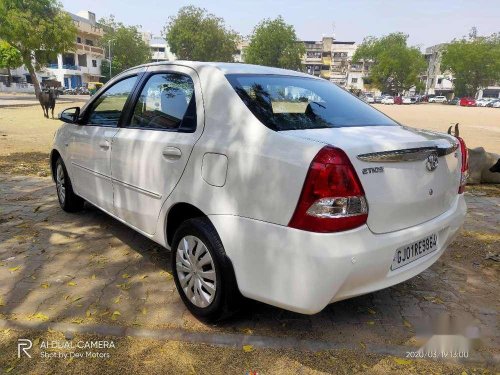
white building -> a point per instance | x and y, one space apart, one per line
83 65
160 51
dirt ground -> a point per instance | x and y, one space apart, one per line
479 126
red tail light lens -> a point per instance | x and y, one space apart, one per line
332 197
465 165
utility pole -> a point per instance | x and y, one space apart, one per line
109 57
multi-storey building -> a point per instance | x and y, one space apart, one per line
332 60
83 65
436 81
160 51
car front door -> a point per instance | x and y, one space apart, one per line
151 149
90 146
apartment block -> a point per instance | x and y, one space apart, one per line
83 65
160 51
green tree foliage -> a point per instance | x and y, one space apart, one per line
474 62
38 29
10 58
128 49
274 43
194 34
396 67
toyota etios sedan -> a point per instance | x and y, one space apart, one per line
266 183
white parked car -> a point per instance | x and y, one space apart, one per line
369 99
387 100
484 102
266 183
409 100
438 99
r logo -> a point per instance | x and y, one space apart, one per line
23 345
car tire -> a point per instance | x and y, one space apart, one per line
203 273
68 200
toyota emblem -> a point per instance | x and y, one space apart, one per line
432 162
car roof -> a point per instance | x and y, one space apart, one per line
228 68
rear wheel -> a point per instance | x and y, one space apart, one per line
68 200
202 272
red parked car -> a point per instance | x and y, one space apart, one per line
468 102
398 100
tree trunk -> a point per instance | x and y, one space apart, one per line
9 77
34 79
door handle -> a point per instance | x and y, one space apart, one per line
172 153
104 144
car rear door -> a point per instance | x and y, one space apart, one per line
90 145
151 149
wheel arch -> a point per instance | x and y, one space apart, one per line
176 215
54 155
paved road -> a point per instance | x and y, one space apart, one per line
89 269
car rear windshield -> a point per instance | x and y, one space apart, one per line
292 103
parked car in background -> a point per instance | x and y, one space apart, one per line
378 99
494 103
196 156
387 100
369 99
398 100
483 102
467 102
454 101
409 100
438 99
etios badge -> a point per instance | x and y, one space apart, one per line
432 162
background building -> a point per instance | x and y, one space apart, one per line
75 69
436 82
160 51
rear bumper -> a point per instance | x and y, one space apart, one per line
303 271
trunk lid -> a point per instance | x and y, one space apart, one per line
390 161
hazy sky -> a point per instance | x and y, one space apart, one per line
428 22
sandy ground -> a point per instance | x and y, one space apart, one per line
479 126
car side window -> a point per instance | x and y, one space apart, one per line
107 109
166 102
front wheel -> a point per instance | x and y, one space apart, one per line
202 272
68 200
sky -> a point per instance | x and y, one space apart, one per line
427 22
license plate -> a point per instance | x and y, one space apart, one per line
413 251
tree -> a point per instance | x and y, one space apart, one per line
10 58
194 34
128 49
473 61
39 29
396 67
274 43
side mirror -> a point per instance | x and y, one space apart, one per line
70 115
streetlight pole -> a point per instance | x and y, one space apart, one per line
109 55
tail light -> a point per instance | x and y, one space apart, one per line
465 165
332 197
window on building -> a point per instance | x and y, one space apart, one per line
161 49
78 39
166 102
89 42
94 63
82 60
354 80
439 81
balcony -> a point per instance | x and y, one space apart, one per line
65 66
86 48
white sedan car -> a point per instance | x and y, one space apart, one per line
438 99
264 183
387 100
